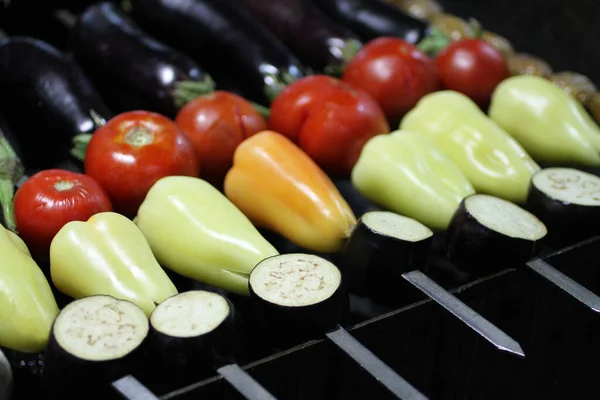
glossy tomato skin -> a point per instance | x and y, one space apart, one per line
329 119
217 123
134 150
395 73
472 67
50 199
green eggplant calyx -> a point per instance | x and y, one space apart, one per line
80 144
11 171
61 186
186 91
139 136
476 31
276 82
435 42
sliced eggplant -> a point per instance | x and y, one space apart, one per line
6 377
371 19
382 247
297 297
231 45
132 70
319 42
488 234
568 202
94 341
46 100
195 331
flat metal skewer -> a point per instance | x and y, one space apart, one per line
244 383
131 389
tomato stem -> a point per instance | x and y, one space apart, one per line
80 144
275 83
139 136
348 50
435 42
186 91
11 171
262 110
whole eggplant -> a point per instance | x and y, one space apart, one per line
131 69
319 42
46 100
371 19
231 45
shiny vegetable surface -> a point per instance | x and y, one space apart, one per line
490 158
527 64
472 67
329 119
548 122
421 9
135 149
499 42
108 255
197 232
217 123
27 305
407 173
279 187
577 85
394 72
50 199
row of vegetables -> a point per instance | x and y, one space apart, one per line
184 174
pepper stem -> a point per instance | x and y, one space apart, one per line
11 171
186 91
80 144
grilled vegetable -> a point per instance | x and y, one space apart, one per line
329 120
41 89
406 173
421 9
577 85
6 377
491 160
381 248
217 123
132 70
297 297
526 64
134 150
27 305
500 43
278 187
195 231
549 123
108 255
94 341
488 234
319 42
194 331
568 202
50 199
593 106
222 38
453 27
395 73
371 19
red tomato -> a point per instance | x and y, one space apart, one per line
50 199
330 120
217 123
394 72
134 150
472 67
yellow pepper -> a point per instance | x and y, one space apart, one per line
549 123
197 232
406 173
27 305
490 158
108 255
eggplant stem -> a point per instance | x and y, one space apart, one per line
80 144
435 42
11 171
186 91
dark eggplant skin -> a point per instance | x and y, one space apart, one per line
567 223
46 100
479 251
319 42
190 359
69 377
373 263
371 19
232 46
131 69
285 326
358 203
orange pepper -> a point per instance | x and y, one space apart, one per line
280 188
